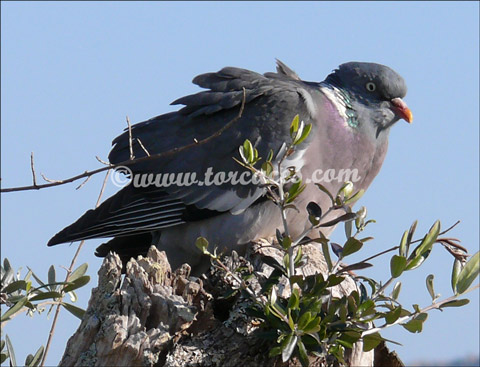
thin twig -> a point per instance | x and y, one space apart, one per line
130 142
380 253
101 160
69 271
32 166
132 162
144 149
48 180
83 183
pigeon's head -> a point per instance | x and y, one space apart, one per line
373 92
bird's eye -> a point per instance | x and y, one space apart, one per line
370 86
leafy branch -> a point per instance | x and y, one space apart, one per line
310 320
20 295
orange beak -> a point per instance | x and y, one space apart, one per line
401 109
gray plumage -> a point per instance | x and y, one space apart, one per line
351 113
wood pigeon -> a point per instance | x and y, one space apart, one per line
351 113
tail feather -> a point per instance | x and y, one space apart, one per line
128 212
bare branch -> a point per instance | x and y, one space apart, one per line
32 166
134 161
130 142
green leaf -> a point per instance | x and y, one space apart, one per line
301 136
415 325
28 359
295 190
356 266
304 320
286 242
77 283
51 277
325 190
428 240
291 323
275 351
468 274
270 155
348 226
397 265
14 309
267 167
342 218
302 353
294 126
294 300
286 262
366 307
393 315
411 232
313 326
74 310
363 292
396 290
298 257
7 272
288 346
429 283
417 261
202 245
273 297
37 358
334 280
360 219
402 251
326 255
351 246
346 189
79 272
455 303
355 197
3 357
45 295
371 341
457 267
11 352
15 286
248 151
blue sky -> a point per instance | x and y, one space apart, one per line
72 71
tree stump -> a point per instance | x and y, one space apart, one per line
153 316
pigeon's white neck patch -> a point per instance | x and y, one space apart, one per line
307 98
337 98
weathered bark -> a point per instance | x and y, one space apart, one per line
155 317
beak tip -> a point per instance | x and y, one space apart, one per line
408 116
402 110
